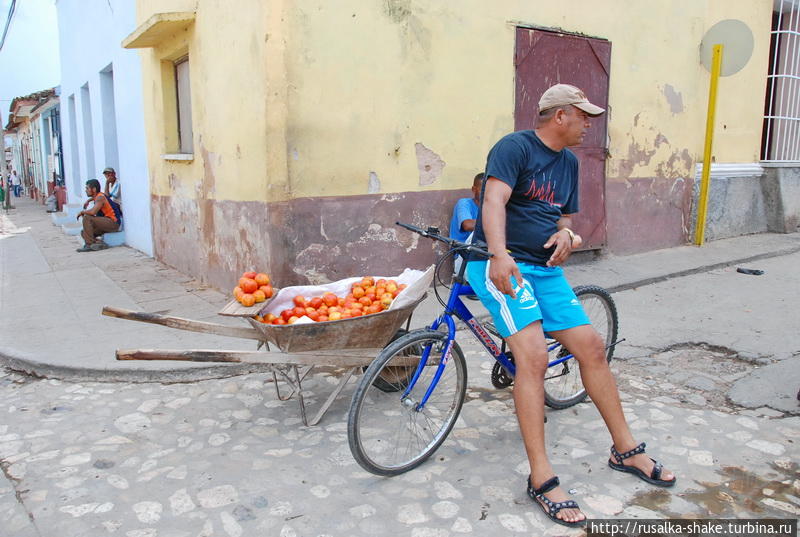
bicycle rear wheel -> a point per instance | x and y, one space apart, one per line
388 435
563 386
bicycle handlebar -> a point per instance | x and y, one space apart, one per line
478 248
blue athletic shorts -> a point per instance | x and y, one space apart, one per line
545 295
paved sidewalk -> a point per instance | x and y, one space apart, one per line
51 297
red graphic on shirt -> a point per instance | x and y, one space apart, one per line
543 191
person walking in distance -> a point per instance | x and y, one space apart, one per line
15 183
528 197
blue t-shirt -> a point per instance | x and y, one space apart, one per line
544 186
465 209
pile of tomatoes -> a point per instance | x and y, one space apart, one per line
366 297
254 287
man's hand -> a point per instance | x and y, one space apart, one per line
564 245
501 268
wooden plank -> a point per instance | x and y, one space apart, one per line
235 309
344 358
183 324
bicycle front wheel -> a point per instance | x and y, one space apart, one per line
563 386
388 433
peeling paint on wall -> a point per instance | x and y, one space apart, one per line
637 156
679 165
397 10
374 185
674 98
430 165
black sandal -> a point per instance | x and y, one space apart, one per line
552 509
655 476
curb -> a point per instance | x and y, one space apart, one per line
703 268
28 365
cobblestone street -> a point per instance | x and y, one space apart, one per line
227 458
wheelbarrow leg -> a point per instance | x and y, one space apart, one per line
296 384
288 381
328 402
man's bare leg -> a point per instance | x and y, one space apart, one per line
588 347
530 356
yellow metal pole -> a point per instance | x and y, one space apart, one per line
702 206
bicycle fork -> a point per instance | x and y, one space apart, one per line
406 399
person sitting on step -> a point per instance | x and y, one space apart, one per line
101 218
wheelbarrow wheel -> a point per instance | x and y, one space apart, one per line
392 379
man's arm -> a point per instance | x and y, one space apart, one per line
99 203
462 215
468 224
501 265
563 241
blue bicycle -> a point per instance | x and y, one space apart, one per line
410 396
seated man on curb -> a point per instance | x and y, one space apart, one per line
465 213
101 218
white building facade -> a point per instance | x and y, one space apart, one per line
101 108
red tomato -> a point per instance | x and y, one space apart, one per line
248 285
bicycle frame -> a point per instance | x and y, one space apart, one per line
455 307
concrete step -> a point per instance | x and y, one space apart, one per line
67 215
116 238
72 228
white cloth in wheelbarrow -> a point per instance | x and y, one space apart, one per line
418 283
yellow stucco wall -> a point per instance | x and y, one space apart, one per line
369 80
233 104
306 98
294 100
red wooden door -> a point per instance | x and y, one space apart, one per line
546 58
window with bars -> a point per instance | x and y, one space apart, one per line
781 136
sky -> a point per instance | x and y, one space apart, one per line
29 59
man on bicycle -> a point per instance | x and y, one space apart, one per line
528 197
